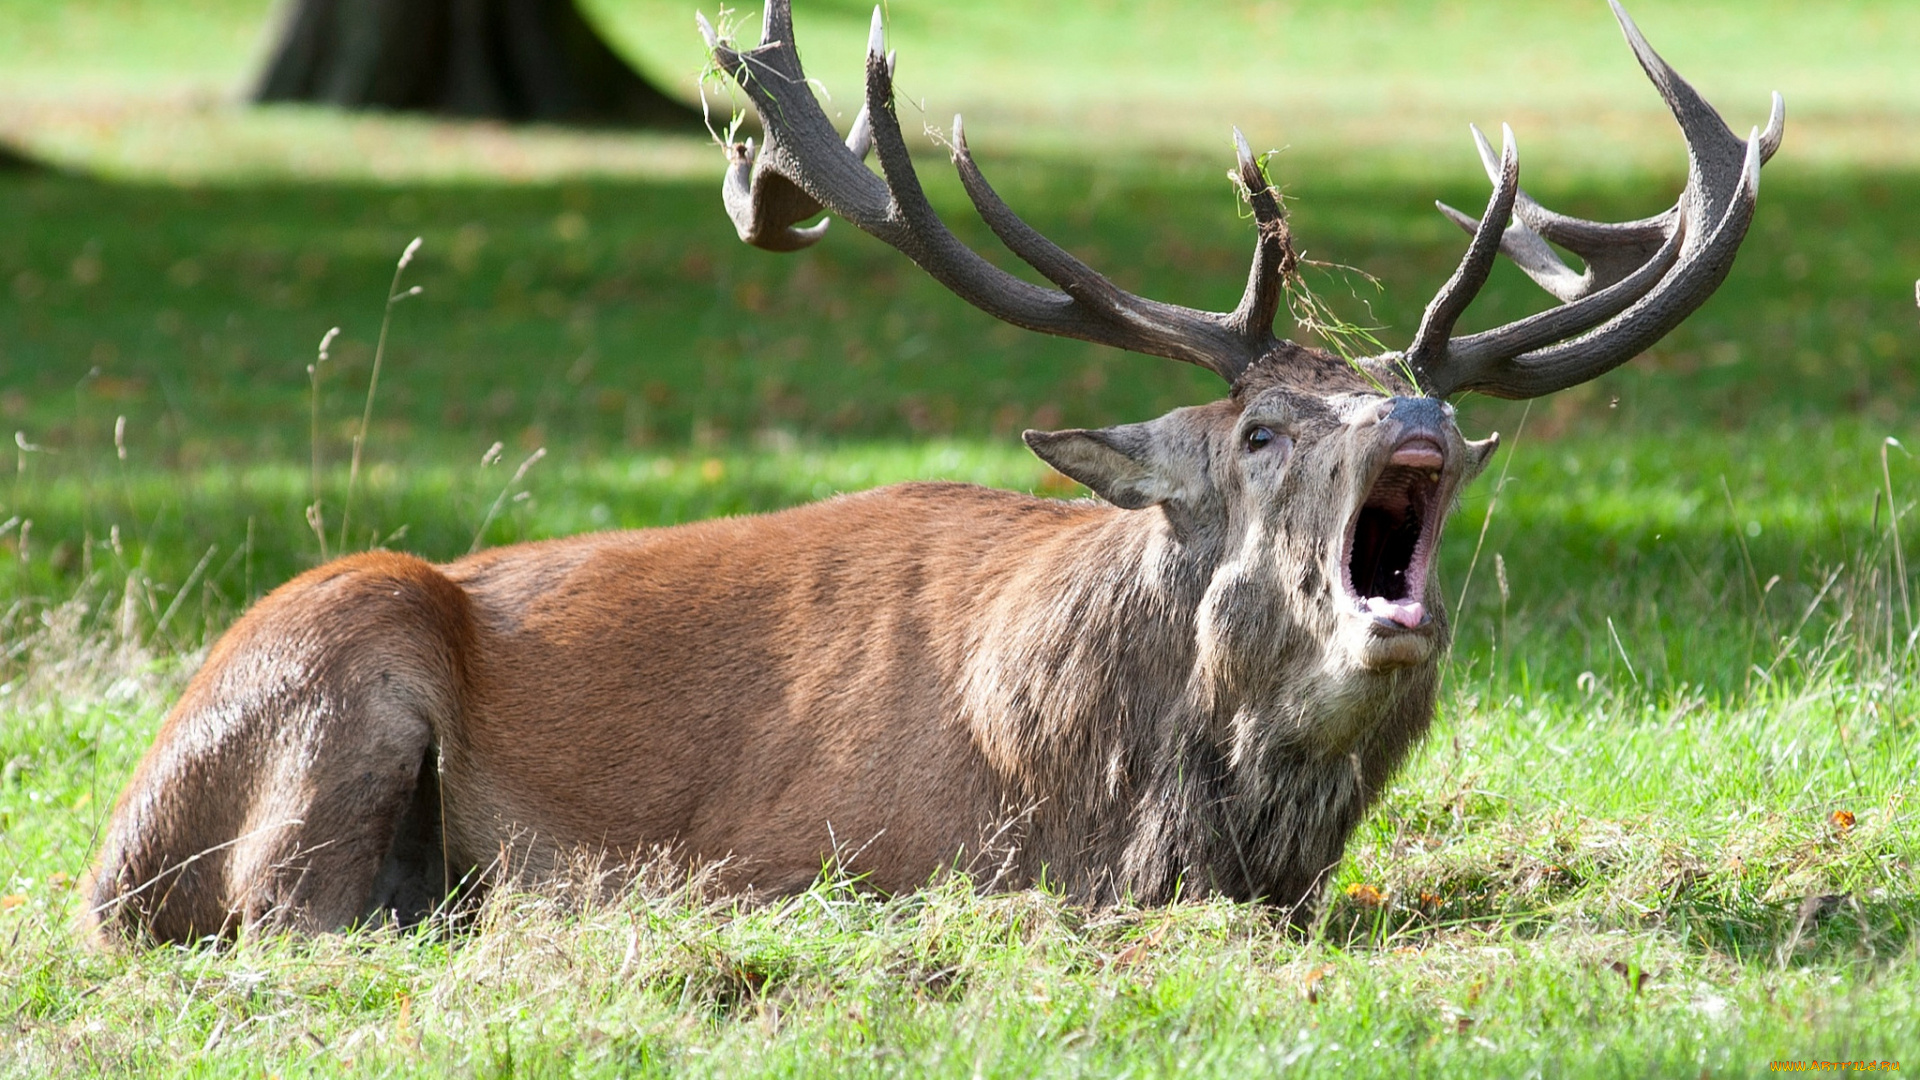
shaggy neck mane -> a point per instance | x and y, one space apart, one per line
1118 744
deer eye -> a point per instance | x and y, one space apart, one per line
1259 438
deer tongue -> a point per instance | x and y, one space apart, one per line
1408 613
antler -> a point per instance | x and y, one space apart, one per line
1641 279
803 168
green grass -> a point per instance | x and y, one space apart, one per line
1600 882
1684 651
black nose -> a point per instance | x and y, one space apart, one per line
1419 413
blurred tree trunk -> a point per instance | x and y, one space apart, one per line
508 59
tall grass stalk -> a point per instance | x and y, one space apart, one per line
316 514
1893 520
394 296
1493 504
500 501
186 587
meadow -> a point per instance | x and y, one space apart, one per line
1665 822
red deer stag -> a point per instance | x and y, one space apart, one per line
1198 684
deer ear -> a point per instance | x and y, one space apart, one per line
1130 466
1479 453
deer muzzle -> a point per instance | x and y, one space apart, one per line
1394 531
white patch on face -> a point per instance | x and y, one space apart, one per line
1366 646
1347 705
1359 410
1213 653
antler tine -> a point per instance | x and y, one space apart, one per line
765 206
803 167
776 23
764 202
1475 351
1273 254
1531 253
1075 278
1683 288
1225 343
1642 278
1436 326
1611 250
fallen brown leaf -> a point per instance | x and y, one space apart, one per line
1311 988
1366 895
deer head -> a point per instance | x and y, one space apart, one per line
1320 482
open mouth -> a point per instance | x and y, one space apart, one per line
1393 533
